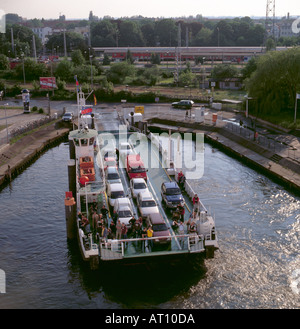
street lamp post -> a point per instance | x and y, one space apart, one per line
91 56
203 77
6 122
22 55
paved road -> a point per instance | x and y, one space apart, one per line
16 118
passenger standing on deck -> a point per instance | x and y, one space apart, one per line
150 235
144 236
104 233
112 227
193 228
181 232
119 230
124 233
181 210
179 177
115 217
104 213
196 202
132 225
86 225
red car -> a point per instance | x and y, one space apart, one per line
160 229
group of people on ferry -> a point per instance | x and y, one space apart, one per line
97 224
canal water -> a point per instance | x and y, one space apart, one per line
257 265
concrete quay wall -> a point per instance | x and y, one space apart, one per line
16 157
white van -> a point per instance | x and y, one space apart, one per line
114 192
146 204
124 211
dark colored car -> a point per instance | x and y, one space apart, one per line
171 194
160 229
184 104
67 117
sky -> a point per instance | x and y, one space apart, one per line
80 9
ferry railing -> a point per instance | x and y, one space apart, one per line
139 247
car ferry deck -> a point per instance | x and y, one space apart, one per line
91 194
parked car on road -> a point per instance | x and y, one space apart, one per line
68 117
184 104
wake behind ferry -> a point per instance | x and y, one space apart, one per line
123 211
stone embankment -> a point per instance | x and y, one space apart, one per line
14 158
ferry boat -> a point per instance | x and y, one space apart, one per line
87 198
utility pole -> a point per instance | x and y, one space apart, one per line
34 47
270 18
65 43
12 41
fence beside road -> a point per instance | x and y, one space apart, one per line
26 127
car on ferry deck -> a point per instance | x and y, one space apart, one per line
171 195
125 149
137 185
160 229
114 191
146 204
135 167
124 210
112 175
110 162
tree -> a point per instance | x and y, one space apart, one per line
119 71
22 38
224 71
148 30
83 72
166 32
187 78
73 41
33 70
104 34
65 70
129 57
4 63
106 60
155 59
130 34
275 82
202 38
250 67
77 58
